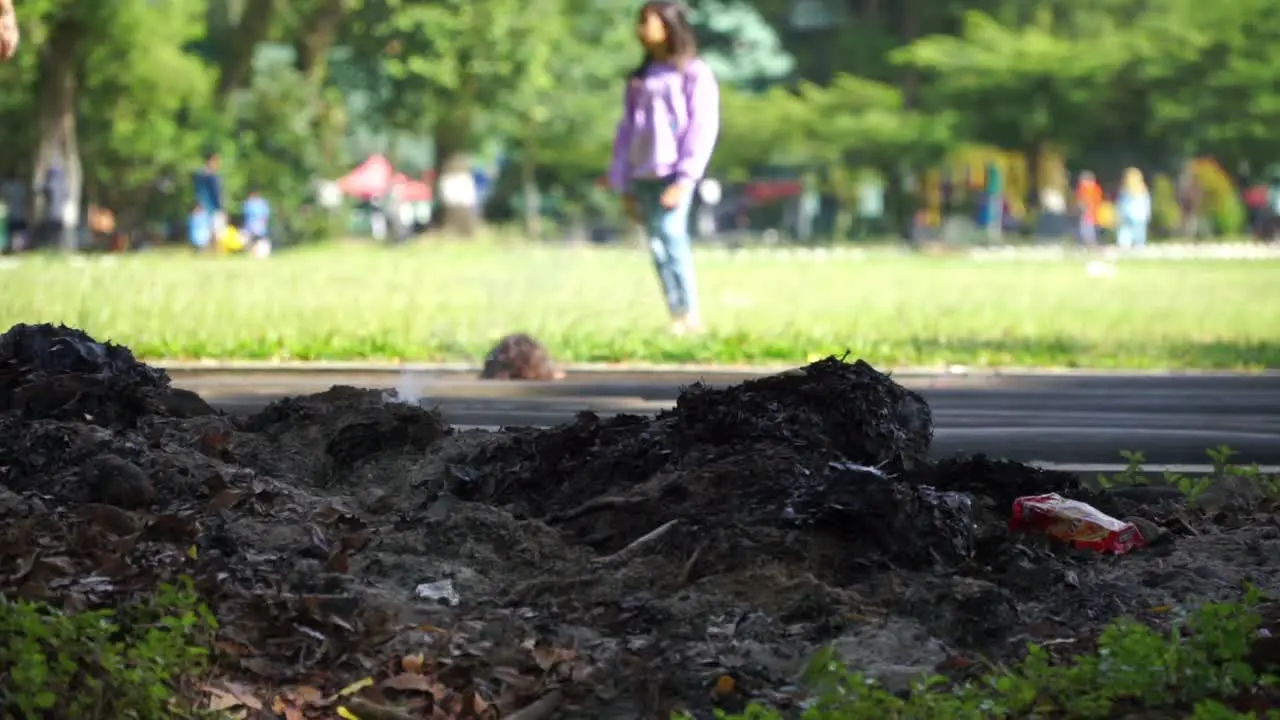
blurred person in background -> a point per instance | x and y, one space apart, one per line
996 206
1270 212
13 193
232 240
257 220
53 227
1133 207
1089 202
8 30
200 228
669 127
208 190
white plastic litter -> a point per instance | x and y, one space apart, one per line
440 591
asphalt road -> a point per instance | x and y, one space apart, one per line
1077 420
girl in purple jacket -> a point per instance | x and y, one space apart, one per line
670 120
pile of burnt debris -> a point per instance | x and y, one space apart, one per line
614 567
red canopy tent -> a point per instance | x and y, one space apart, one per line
411 190
372 177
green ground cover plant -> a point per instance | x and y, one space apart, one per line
1199 670
137 661
451 301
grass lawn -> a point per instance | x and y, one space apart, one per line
450 302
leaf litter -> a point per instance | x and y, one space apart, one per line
365 560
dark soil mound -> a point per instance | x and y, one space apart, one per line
831 405
321 437
793 456
733 534
519 357
59 373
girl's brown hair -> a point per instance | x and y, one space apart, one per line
682 42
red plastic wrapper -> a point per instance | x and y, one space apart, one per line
1072 521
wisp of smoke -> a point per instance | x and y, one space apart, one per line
408 389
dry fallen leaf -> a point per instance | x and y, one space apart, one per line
245 695
232 695
224 500
221 699
114 520
412 663
214 444
725 685
339 563
354 542
549 657
176 529
514 679
308 695
473 706
412 682
63 565
234 649
288 707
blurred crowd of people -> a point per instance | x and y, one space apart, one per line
210 228
1128 214
46 216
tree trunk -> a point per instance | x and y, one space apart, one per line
318 36
57 146
458 213
236 69
910 31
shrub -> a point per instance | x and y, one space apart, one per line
130 662
1222 203
1166 214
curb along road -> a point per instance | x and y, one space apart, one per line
654 371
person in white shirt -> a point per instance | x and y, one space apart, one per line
8 30
13 193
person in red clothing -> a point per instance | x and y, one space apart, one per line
8 30
1089 200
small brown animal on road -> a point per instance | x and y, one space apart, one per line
519 357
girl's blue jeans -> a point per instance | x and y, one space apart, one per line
670 244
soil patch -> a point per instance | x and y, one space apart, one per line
611 568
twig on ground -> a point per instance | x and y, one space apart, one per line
649 491
637 546
688 566
596 505
541 709
366 710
